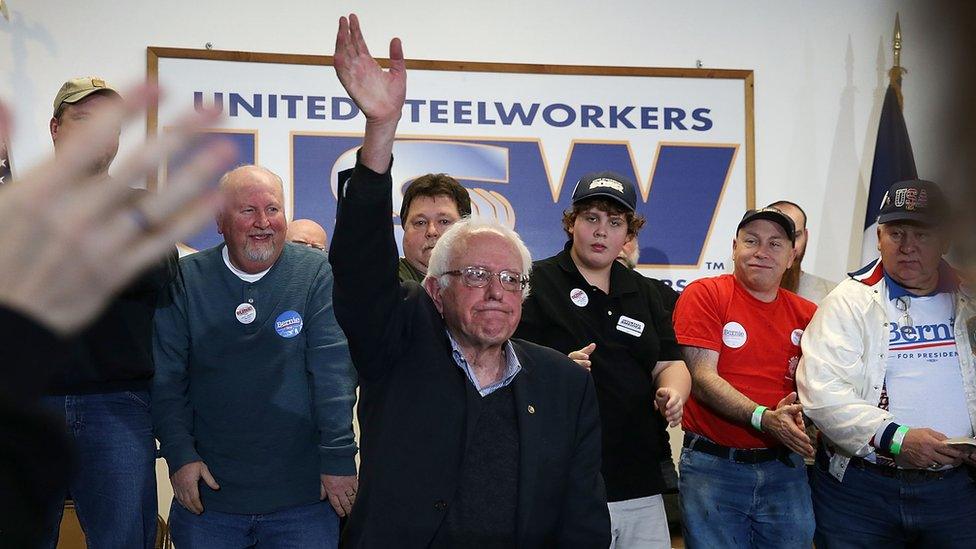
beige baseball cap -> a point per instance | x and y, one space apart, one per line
76 89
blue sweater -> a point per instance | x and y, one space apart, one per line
267 409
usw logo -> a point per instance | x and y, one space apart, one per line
510 179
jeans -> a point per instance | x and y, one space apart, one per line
868 509
639 524
113 481
304 526
729 504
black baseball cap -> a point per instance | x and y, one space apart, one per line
770 214
607 184
914 200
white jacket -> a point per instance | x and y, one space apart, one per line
842 370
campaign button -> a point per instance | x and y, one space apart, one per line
288 324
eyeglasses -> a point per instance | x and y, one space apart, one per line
479 277
903 304
310 245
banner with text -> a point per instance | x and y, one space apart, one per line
517 136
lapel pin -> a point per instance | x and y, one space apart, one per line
531 409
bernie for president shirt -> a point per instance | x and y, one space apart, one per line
922 365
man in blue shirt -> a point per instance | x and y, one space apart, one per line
254 386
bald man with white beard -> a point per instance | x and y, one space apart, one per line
254 386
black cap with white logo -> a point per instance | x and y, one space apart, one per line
607 184
770 214
914 200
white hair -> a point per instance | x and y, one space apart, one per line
455 239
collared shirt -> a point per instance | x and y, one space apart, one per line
631 327
512 367
406 271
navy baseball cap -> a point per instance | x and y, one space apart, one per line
607 184
770 214
914 200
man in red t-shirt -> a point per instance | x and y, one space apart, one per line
742 479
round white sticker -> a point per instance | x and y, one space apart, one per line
246 313
734 335
796 335
579 297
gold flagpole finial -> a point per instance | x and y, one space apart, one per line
897 41
896 70
3 10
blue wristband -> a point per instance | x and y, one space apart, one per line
885 442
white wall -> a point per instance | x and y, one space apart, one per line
820 68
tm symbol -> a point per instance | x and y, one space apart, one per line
715 265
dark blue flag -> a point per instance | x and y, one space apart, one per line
893 162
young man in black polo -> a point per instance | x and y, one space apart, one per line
612 322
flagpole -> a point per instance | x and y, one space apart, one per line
893 157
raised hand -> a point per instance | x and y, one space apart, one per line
72 240
379 94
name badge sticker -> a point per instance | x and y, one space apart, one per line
288 324
630 326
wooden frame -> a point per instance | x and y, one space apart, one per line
154 53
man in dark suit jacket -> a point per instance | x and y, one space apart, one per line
469 438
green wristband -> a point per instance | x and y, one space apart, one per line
897 439
757 417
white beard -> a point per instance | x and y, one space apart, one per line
259 253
